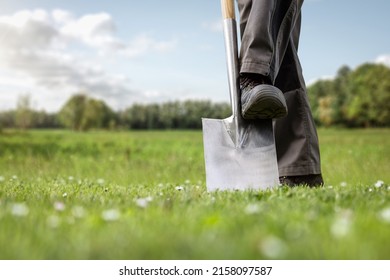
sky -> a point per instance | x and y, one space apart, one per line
129 51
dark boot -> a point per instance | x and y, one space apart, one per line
312 180
259 99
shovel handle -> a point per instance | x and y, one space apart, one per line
228 9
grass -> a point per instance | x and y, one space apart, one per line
142 195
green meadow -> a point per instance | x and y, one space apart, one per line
142 195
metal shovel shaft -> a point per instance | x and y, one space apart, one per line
229 27
233 123
231 48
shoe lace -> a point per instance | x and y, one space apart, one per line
248 82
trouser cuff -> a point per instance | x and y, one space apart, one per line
256 68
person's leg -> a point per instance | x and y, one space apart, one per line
275 55
259 98
256 41
295 135
266 26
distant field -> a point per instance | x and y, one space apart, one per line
142 195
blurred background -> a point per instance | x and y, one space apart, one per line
159 61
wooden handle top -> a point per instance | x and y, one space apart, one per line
228 9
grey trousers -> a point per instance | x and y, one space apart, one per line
270 31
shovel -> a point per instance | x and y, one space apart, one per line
239 154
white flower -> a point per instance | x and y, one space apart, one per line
179 188
252 209
70 178
59 206
273 247
143 202
342 224
111 215
19 209
2 179
379 183
100 181
78 212
343 184
14 177
384 215
64 194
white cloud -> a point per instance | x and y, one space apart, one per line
21 18
26 30
98 31
58 52
213 26
144 44
383 59
95 30
61 16
322 78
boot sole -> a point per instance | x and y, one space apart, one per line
266 102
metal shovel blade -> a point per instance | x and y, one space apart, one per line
239 154
251 165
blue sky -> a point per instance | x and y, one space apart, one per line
126 51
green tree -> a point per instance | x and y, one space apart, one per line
173 115
81 113
318 92
72 113
41 119
340 95
359 98
369 102
24 113
96 115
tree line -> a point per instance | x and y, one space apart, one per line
82 113
354 98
